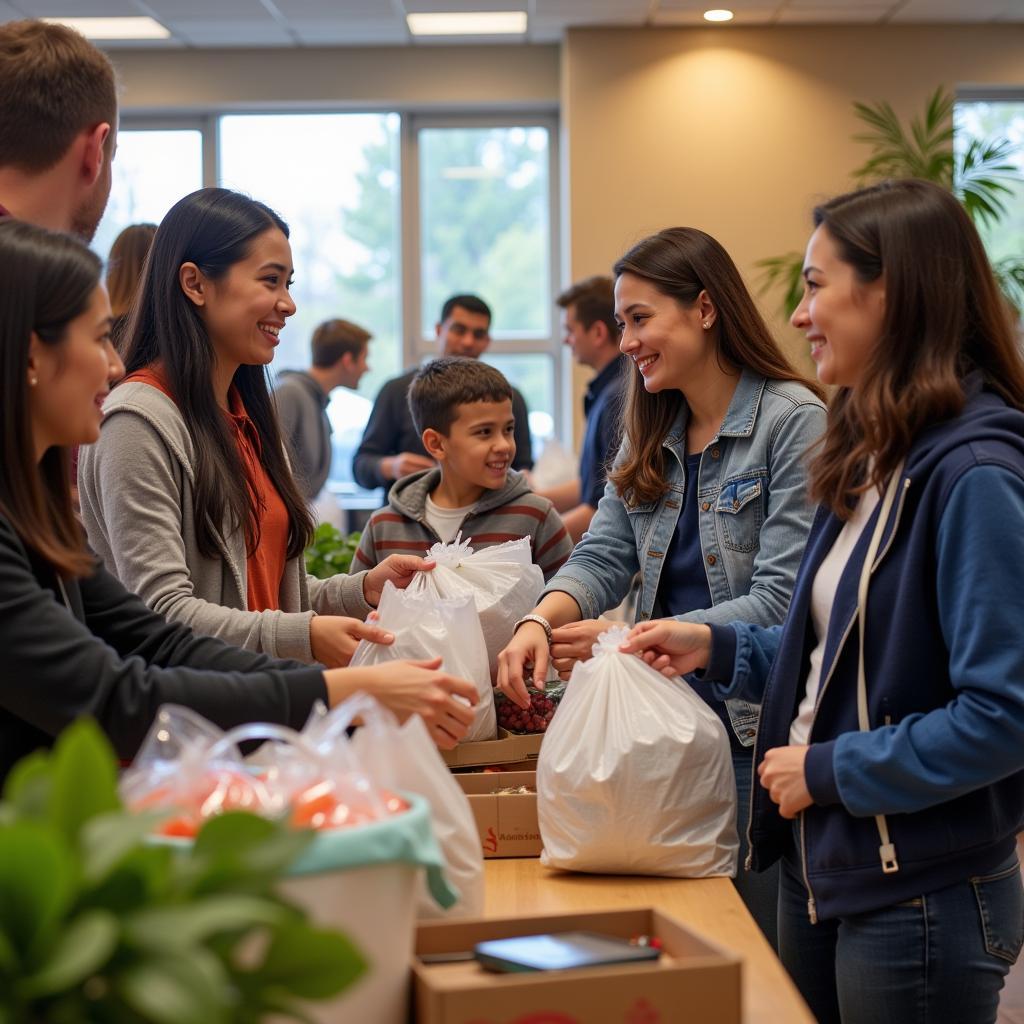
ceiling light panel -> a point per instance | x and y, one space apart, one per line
469 23
111 29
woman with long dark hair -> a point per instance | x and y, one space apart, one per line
188 497
75 642
891 745
707 498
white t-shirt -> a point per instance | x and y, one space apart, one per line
823 595
445 522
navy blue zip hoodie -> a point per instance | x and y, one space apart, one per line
945 676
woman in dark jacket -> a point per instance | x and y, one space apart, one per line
74 641
891 743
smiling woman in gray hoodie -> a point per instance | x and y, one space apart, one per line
188 496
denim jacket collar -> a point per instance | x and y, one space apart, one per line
739 417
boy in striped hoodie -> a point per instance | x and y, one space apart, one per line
463 409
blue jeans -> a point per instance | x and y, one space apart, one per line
759 891
938 959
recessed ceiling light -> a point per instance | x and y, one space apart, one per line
473 23
718 14
114 28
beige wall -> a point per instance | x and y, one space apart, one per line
740 131
413 76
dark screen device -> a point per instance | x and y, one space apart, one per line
559 952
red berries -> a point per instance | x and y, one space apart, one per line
535 718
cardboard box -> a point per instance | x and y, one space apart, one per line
506 748
507 822
692 981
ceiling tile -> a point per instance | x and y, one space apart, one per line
216 11
959 11
77 9
832 15
231 33
350 31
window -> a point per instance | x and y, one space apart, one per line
335 179
476 214
485 200
152 171
998 118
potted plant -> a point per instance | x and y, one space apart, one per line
980 175
330 552
99 924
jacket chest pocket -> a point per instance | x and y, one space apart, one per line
740 513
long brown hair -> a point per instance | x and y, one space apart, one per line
944 317
124 265
48 281
681 263
215 229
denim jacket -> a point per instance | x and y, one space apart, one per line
755 518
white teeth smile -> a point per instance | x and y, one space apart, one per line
269 329
642 364
497 466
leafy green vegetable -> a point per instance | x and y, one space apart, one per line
98 924
331 552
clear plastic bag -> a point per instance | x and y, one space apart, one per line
502 580
426 625
190 770
635 775
534 719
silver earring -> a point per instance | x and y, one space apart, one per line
707 325
33 381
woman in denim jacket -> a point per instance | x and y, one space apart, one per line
707 498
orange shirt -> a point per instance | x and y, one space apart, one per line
264 568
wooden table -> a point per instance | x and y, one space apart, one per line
709 905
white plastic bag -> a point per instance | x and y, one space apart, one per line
402 757
503 581
426 625
635 775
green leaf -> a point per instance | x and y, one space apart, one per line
84 782
191 923
784 271
108 838
311 963
183 989
36 879
28 785
85 945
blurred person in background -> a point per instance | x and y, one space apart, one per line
339 349
392 447
588 322
124 271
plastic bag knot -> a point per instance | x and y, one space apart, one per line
451 555
610 641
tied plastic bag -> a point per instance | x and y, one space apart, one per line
403 757
635 775
502 580
426 625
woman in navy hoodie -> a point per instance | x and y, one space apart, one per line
891 743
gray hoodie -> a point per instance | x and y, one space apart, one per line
136 490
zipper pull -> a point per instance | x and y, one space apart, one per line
812 910
748 861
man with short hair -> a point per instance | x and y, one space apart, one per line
391 447
588 320
58 127
339 360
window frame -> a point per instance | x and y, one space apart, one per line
415 346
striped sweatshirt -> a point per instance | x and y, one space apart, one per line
508 513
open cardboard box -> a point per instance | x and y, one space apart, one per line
505 749
692 981
507 822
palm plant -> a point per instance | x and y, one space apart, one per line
981 175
